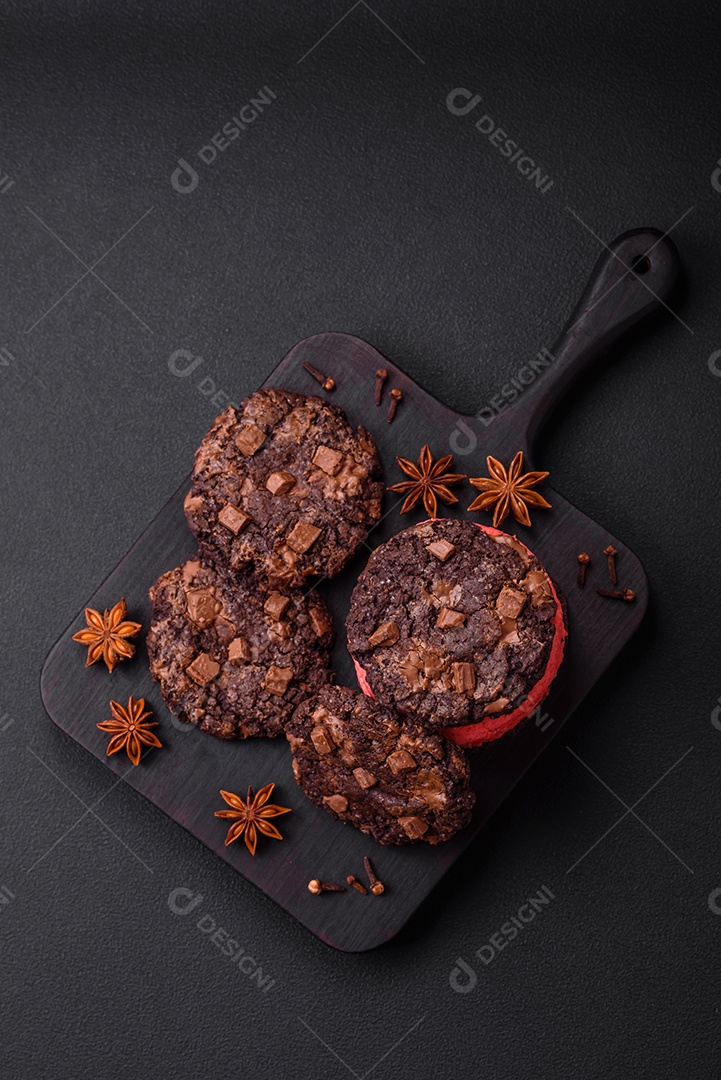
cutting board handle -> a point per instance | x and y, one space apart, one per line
632 279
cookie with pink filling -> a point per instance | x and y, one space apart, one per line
459 625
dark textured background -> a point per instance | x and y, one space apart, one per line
357 202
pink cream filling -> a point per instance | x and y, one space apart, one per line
495 726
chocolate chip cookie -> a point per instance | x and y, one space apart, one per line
286 483
386 774
458 624
232 655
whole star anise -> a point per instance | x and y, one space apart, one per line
130 729
106 635
429 481
509 491
251 816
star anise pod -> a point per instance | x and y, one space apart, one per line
106 635
509 491
251 816
429 481
130 729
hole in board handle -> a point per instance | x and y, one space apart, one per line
641 264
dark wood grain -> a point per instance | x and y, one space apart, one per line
184 778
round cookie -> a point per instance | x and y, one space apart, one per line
458 624
384 773
232 655
286 483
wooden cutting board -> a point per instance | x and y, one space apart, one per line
184 778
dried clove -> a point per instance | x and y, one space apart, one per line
377 886
381 376
618 594
396 396
316 886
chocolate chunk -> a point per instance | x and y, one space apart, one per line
446 593
345 752
302 536
374 782
364 778
338 803
496 706
509 632
537 584
203 669
415 827
192 504
190 571
510 602
400 760
239 651
464 677
249 439
225 629
432 666
321 621
321 739
233 518
328 459
386 634
429 787
449 619
280 483
202 607
411 673
441 549
277 679
276 605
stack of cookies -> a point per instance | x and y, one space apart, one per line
284 489
456 630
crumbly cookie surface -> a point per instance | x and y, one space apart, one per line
452 624
284 482
232 655
384 773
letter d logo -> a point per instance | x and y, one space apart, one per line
459 984
184 179
183 901
716 177
469 101
457 444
